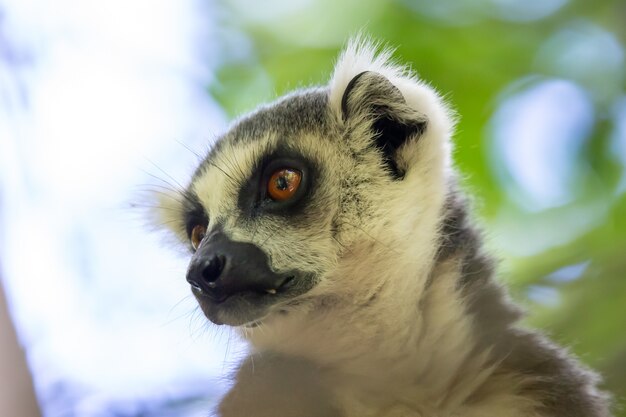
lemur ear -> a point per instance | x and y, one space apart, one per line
370 97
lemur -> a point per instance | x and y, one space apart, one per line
329 230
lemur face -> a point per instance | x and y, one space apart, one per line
292 190
259 212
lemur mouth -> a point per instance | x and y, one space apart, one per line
280 289
284 286
247 309
234 281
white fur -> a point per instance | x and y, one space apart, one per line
411 351
411 345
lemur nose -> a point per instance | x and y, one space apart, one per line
222 268
212 269
205 274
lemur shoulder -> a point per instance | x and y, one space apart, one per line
327 228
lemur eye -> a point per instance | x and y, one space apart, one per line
197 234
283 184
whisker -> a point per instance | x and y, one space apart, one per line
339 243
184 145
180 186
269 237
155 206
176 197
221 170
181 192
234 165
167 223
384 245
183 315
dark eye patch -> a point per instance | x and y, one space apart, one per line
253 197
194 213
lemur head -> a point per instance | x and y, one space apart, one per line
317 195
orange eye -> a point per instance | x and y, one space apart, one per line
197 234
283 184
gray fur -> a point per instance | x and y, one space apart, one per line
564 387
401 315
270 386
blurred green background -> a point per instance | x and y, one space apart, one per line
541 140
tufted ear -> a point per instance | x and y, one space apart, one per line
371 98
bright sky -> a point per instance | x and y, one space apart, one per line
91 94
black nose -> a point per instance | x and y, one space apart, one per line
206 273
222 267
212 269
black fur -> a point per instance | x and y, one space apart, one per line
305 111
372 93
253 200
346 94
193 212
